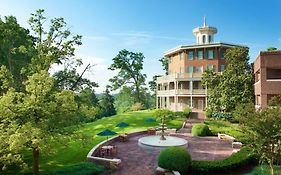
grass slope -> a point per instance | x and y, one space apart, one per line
77 150
225 127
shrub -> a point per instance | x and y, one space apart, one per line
201 130
208 113
137 107
179 114
82 168
174 158
241 158
187 112
220 116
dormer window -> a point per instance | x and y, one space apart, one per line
210 38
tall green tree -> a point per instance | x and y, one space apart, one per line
165 64
53 45
70 79
234 85
38 116
124 100
6 79
152 84
262 130
129 65
271 49
87 96
16 48
106 103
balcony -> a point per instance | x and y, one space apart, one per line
199 91
166 92
181 92
173 77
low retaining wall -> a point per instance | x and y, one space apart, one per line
109 163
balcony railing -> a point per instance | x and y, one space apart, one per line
182 92
199 91
173 77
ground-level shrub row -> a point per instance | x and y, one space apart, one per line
241 158
83 168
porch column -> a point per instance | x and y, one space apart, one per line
177 99
206 103
156 102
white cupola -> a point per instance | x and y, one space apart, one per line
205 34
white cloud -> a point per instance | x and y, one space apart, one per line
151 36
98 73
97 38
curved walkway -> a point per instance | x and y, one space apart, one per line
140 161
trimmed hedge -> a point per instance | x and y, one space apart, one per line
220 116
241 158
174 159
185 113
83 168
201 130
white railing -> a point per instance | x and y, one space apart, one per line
173 77
199 91
166 92
181 92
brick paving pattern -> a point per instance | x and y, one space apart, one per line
141 161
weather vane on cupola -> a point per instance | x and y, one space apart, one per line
205 34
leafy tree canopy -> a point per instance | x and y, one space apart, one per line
129 65
263 131
271 49
37 116
233 86
54 45
106 103
165 64
16 48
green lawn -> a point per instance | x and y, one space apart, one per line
226 127
77 150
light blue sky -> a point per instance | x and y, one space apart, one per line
154 26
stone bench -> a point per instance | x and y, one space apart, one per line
226 137
237 145
112 164
162 171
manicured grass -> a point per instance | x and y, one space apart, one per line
264 170
77 150
226 127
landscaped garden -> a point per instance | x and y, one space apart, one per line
51 119
76 151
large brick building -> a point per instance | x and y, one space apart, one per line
267 70
182 86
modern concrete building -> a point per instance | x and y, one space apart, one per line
267 70
182 86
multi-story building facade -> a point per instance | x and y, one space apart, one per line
182 87
267 70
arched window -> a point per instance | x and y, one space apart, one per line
204 39
210 38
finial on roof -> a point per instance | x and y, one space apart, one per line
205 21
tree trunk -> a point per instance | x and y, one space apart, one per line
138 93
271 167
35 156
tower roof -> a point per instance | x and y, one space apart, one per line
205 31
